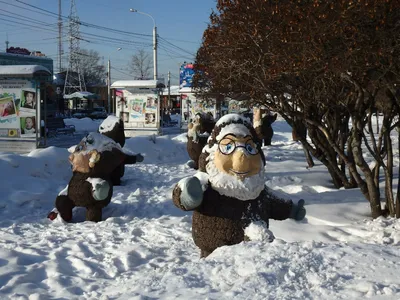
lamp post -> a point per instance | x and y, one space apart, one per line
154 40
109 83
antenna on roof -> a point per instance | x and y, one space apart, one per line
7 42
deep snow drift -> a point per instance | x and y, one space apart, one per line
143 249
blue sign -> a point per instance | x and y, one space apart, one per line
186 73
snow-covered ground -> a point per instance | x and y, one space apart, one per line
144 250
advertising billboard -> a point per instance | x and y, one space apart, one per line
186 74
18 113
138 110
191 106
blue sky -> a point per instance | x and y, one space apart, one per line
180 25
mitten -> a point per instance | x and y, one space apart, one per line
298 211
100 190
191 192
139 157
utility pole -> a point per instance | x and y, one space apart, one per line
74 81
155 50
154 39
109 85
59 36
169 88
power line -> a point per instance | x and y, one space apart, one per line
188 52
24 8
121 72
106 38
85 23
90 25
30 25
15 15
39 8
169 52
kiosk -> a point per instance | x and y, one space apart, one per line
138 105
20 115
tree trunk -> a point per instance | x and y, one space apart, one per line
370 190
309 158
398 180
373 197
352 180
389 174
299 132
327 156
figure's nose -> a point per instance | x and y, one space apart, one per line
240 160
71 158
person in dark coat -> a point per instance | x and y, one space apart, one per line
262 124
229 193
113 127
198 132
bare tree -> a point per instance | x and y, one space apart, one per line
94 72
140 64
327 65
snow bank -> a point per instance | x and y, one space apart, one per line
165 149
33 180
84 124
144 248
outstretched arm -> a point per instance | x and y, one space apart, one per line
281 209
188 193
133 159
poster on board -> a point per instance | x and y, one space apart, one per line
138 110
18 100
18 114
191 106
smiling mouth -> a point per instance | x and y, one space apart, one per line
239 173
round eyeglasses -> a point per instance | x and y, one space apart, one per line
227 146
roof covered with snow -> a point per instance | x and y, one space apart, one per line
174 90
24 71
186 90
120 84
82 95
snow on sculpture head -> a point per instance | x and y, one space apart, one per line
97 155
113 127
233 158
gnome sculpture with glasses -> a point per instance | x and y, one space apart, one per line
228 194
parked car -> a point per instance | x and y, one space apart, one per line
80 113
98 113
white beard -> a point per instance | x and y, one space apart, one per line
231 186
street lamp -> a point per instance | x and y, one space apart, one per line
109 83
154 39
